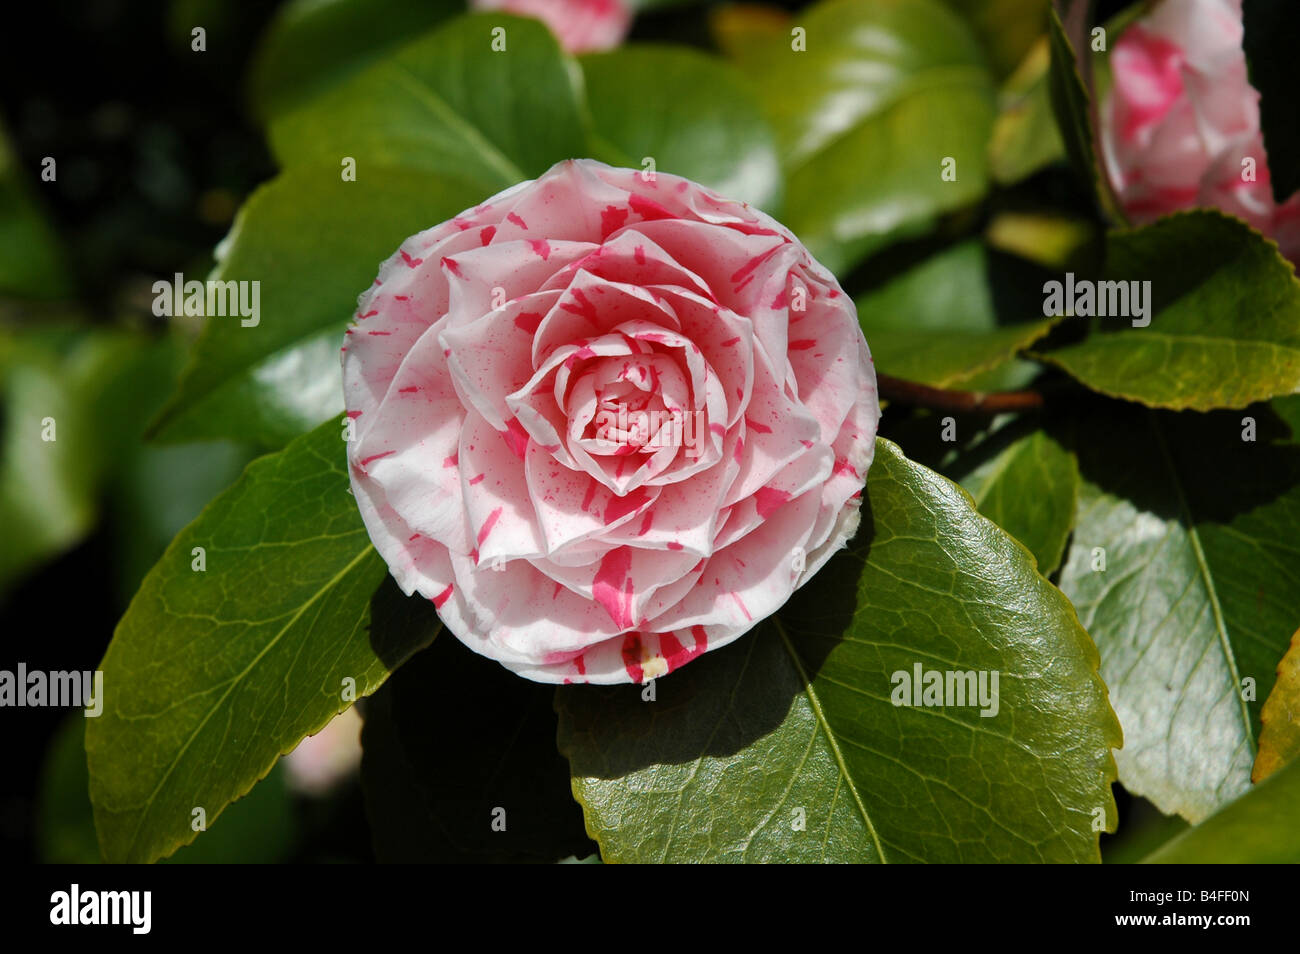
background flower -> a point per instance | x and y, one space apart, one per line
581 26
1182 116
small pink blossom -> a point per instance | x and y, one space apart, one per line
1182 116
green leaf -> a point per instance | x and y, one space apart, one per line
1279 737
953 316
1272 35
1200 589
65 421
447 104
156 492
1008 28
741 31
1069 83
434 128
46 487
65 827
1288 410
1029 489
314 242
1025 134
691 113
433 795
1224 310
312 45
1060 241
32 262
152 492
258 829
213 674
866 116
794 721
1261 827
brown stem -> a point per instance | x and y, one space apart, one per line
958 402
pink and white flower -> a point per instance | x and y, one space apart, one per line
581 26
483 355
1182 116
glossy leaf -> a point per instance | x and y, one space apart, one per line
1224 310
866 116
786 745
214 673
1029 489
1199 592
692 114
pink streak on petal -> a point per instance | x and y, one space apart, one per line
632 656
528 321
516 438
611 586
768 499
440 600
611 220
488 524
648 209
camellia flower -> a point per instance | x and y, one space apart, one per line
581 26
322 761
606 421
1182 116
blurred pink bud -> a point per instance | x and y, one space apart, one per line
581 26
1180 128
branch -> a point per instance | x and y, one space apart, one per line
958 402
